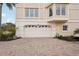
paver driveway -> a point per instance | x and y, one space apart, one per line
39 47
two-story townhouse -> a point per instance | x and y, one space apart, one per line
46 19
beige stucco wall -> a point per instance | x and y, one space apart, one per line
73 21
74 11
72 26
72 17
43 11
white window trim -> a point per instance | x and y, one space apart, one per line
29 12
33 13
65 30
60 6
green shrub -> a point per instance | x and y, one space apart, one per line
7 32
70 38
6 36
57 35
60 37
76 31
0 32
66 38
76 34
76 38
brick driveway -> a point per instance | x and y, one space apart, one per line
39 47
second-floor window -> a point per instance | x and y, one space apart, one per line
31 12
60 9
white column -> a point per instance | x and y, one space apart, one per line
54 10
67 10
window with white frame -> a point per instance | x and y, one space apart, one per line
31 12
60 9
65 27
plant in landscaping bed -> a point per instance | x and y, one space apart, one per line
66 38
69 38
76 31
59 36
1 31
7 35
7 32
76 34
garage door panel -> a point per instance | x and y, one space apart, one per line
38 31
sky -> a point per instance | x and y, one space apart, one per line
8 15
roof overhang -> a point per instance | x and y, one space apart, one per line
49 5
55 3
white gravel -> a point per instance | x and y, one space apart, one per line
39 47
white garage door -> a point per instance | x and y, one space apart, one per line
38 31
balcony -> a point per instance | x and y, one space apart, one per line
60 13
58 19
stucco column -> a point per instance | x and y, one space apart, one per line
54 10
